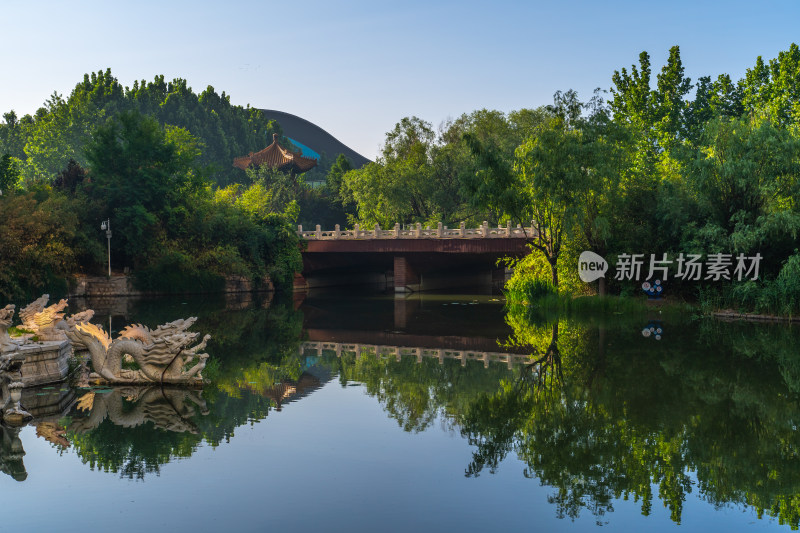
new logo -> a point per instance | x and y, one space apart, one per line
591 267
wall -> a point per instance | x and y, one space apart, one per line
122 285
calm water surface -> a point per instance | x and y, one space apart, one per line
350 412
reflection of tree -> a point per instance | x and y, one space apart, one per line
504 411
262 377
601 414
415 393
623 419
240 338
545 370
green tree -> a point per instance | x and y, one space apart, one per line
334 182
493 184
551 169
37 245
139 175
57 136
720 98
12 135
278 192
773 87
396 188
657 114
9 174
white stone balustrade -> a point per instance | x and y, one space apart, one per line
397 352
416 231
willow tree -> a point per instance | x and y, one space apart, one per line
551 169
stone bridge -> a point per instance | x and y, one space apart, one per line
409 258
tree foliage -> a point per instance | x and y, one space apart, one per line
61 128
167 222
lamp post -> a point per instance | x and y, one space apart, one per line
106 225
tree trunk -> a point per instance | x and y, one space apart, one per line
554 268
601 287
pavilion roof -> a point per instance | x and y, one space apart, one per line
277 157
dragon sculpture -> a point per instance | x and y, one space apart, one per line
6 316
28 312
48 323
163 355
69 323
36 315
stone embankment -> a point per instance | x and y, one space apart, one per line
122 285
751 317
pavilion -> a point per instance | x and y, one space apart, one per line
276 157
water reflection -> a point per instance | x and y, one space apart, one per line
11 453
714 405
591 407
170 409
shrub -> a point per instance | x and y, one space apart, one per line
176 272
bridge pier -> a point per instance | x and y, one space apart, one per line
406 278
404 309
299 284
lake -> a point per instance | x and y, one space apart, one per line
347 411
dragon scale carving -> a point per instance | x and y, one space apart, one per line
163 355
49 322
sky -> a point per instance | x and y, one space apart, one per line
357 68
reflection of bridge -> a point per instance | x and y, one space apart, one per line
409 259
398 352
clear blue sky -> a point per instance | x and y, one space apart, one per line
356 68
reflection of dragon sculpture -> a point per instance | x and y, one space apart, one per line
166 408
162 355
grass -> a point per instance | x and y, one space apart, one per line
542 296
16 331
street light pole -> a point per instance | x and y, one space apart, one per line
106 225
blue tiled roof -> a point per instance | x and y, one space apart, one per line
304 150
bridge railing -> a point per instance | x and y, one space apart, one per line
382 351
418 232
